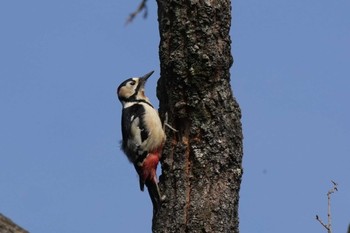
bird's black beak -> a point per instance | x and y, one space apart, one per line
144 78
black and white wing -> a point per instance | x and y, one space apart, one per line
134 132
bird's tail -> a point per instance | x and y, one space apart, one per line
148 177
154 193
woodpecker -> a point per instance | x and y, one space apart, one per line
143 134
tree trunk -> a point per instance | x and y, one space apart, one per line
201 166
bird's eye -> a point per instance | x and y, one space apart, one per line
132 83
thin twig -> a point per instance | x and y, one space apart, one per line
170 127
141 7
166 124
328 226
318 219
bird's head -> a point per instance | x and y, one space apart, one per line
133 89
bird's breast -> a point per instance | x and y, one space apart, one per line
156 137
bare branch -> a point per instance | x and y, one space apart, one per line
166 124
324 225
328 226
141 7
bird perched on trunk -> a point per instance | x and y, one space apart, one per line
143 134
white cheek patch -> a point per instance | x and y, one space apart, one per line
127 91
124 92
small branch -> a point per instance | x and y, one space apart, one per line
328 226
141 7
324 225
170 127
166 124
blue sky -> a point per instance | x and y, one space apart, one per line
61 170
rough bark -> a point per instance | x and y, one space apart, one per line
201 167
7 226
